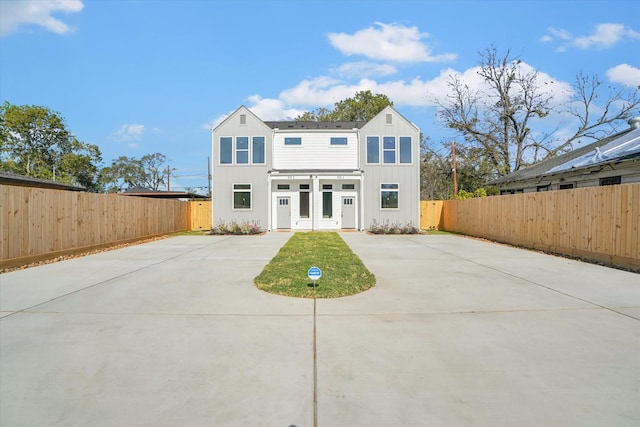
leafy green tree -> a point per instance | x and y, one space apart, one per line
35 142
362 107
128 172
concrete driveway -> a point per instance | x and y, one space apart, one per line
457 332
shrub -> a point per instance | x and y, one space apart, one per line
243 228
395 228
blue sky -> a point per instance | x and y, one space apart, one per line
146 76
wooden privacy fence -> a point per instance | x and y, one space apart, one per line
38 223
598 223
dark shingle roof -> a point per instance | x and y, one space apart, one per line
314 125
9 178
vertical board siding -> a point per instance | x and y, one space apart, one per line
35 222
600 223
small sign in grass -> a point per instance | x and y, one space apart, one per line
342 271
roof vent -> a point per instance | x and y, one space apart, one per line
634 122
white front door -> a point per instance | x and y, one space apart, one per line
348 212
284 212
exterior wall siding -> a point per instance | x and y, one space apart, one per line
406 175
225 175
315 152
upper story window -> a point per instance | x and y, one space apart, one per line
405 149
243 119
242 150
373 149
283 186
388 119
335 140
226 150
389 149
293 141
238 150
258 149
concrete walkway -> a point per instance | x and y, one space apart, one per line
457 332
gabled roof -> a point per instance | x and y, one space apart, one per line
9 178
620 146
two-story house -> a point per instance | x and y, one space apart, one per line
316 175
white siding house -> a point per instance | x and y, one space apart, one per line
315 175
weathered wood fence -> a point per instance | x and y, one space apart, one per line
38 223
597 223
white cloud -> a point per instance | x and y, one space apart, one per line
603 36
388 42
129 133
14 13
624 74
326 91
364 69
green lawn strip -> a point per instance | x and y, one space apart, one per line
342 271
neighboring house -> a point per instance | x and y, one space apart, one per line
316 175
609 161
9 178
146 192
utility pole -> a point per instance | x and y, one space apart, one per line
209 175
455 173
168 179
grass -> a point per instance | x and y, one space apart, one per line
342 271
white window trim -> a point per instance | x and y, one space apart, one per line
397 190
248 150
396 150
264 147
233 150
410 149
366 149
244 190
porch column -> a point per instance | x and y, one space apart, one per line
316 198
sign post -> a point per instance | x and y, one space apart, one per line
314 274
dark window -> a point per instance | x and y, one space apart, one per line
338 140
283 186
304 186
373 149
389 196
543 188
566 186
348 186
226 150
327 186
241 196
327 204
612 180
304 204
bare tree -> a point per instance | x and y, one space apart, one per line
497 117
597 121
